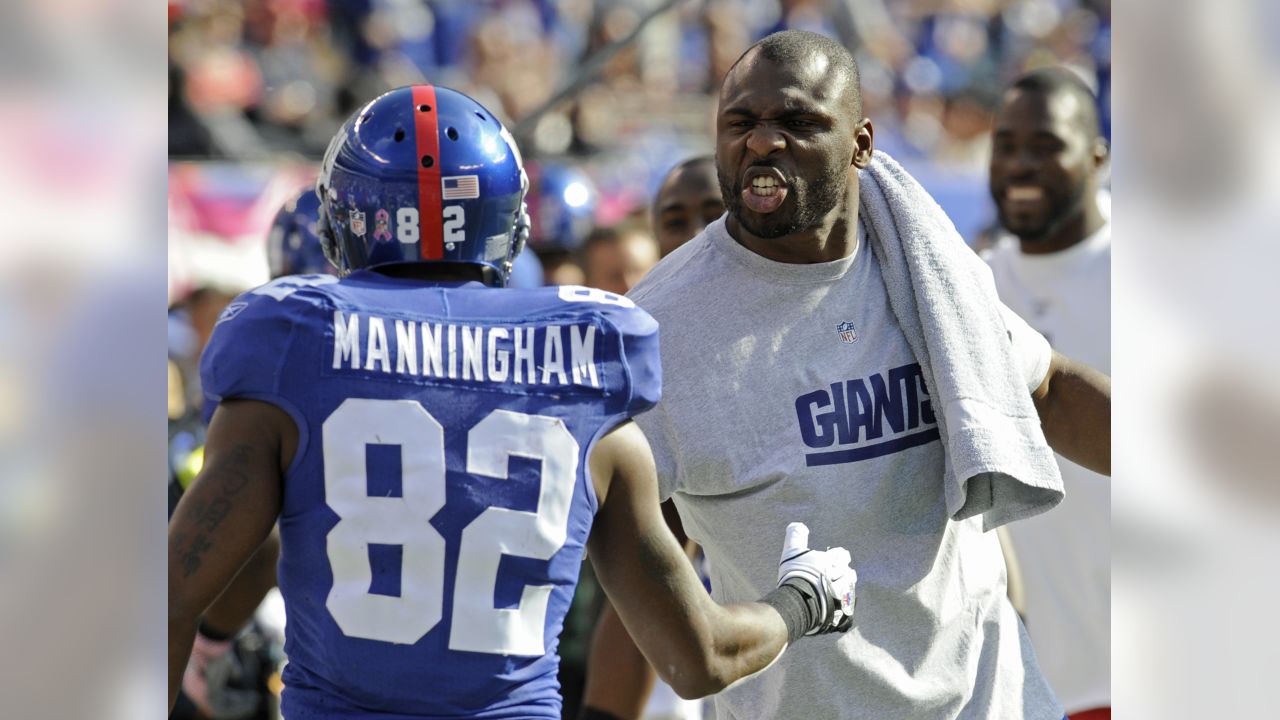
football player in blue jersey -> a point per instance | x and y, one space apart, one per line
440 454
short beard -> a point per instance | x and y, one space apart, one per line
812 202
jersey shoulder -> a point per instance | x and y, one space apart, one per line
246 351
619 311
626 326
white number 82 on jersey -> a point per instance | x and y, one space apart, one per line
476 625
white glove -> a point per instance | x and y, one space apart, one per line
828 574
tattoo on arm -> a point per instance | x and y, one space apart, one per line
210 515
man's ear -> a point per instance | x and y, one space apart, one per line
863 135
1101 152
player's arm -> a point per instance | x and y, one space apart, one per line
1074 402
619 679
225 515
697 646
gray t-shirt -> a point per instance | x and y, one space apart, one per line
791 394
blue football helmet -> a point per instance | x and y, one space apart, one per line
293 244
562 206
423 174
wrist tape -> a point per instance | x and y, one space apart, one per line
795 602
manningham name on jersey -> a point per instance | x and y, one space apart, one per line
538 355
864 418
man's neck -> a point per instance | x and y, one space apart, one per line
835 238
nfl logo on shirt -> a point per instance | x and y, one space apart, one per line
846 332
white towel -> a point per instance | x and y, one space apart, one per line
997 461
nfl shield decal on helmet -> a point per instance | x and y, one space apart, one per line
847 334
357 223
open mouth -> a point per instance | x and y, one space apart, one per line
763 189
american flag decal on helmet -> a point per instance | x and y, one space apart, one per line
460 187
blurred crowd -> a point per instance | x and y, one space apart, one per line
620 91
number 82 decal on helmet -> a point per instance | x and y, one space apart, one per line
454 220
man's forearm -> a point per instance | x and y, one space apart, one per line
1075 412
236 605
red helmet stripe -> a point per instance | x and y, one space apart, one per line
430 212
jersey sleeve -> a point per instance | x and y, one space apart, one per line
1031 350
245 353
640 357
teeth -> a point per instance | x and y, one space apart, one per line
764 185
1024 192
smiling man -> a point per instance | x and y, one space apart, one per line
1047 155
792 388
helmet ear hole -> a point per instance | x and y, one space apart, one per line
452 133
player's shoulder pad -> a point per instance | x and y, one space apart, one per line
638 333
249 339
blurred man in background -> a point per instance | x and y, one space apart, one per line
687 201
615 258
1047 157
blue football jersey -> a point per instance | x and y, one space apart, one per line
435 516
